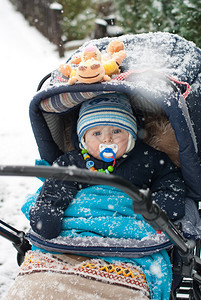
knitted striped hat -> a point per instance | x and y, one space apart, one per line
107 110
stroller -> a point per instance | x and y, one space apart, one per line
161 76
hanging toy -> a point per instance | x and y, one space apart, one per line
92 66
114 57
90 52
107 154
89 71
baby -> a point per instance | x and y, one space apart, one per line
107 132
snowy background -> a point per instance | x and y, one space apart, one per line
26 57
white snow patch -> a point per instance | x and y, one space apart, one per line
156 270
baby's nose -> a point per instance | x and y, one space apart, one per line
107 138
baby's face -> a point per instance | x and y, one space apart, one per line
106 135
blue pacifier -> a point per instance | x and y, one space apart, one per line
108 152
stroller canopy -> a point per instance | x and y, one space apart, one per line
161 75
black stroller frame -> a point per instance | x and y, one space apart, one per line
184 253
189 265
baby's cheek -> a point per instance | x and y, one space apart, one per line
118 154
94 152
121 150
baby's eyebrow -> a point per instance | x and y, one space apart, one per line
95 130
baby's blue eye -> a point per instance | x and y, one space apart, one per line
117 131
96 133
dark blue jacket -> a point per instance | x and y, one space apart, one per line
144 167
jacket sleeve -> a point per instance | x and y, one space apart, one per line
168 188
46 215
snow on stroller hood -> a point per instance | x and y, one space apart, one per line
161 74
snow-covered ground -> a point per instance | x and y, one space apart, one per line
26 57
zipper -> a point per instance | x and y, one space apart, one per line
95 249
